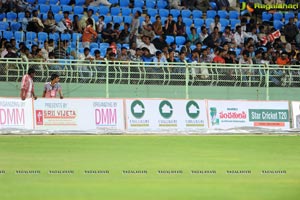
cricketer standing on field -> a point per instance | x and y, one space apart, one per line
27 87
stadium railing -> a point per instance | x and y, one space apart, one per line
141 73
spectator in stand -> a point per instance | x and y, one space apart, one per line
116 32
181 28
157 26
108 33
203 35
133 48
97 3
26 20
124 35
60 52
35 24
137 57
145 24
171 58
66 23
100 27
216 23
114 47
50 23
76 24
13 45
147 57
258 57
45 50
193 36
290 30
175 4
34 48
170 26
160 43
149 32
145 42
214 39
239 37
83 21
123 55
9 52
187 48
223 5
89 34
182 59
199 48
262 32
219 53
86 57
134 26
204 56
253 35
201 5
229 37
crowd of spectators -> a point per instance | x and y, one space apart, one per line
244 44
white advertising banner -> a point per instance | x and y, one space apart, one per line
16 114
155 115
296 114
233 114
79 114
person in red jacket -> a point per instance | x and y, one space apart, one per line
27 87
89 34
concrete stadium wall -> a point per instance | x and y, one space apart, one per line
12 89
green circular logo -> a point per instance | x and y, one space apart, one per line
192 109
137 109
165 109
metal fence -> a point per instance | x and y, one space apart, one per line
140 73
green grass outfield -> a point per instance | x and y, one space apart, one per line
150 153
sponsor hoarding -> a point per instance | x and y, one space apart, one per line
79 114
16 114
232 114
296 114
155 115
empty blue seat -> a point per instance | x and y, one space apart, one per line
114 11
118 19
186 13
126 46
152 12
222 13
30 35
234 23
175 12
266 16
126 11
163 12
21 15
197 14
233 14
42 2
188 21
104 45
180 40
54 36
53 2
42 36
103 51
277 24
277 16
15 26
64 2
4 26
169 39
103 10
8 35
289 15
44 8
208 21
128 19
67 8
224 22
79 2
55 9
108 19
138 3
198 22
211 14
150 3
114 1
142 19
94 45
65 36
11 16
76 37
2 16
161 4
78 10
124 3
19 35
58 17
